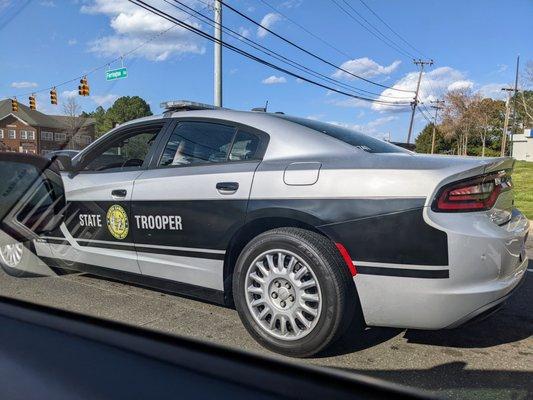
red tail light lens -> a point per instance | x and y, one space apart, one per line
475 194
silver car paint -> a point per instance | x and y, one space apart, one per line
483 257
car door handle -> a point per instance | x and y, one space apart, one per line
119 193
227 187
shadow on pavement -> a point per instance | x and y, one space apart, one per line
512 323
454 380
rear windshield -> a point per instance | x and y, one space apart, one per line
354 138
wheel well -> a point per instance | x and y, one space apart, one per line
247 233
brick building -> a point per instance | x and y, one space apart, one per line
31 131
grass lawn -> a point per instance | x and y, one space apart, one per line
523 187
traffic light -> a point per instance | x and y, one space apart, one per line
53 96
14 105
32 102
83 88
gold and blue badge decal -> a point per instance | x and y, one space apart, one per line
117 221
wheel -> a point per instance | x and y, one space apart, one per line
13 259
293 291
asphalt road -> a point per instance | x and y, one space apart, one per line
490 359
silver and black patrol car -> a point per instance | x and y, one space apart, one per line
300 224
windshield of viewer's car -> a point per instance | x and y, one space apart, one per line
354 138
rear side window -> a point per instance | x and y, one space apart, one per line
354 138
244 146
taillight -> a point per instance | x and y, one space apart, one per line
474 194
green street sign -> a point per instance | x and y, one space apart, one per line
113 74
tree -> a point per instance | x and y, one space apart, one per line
125 109
73 120
424 139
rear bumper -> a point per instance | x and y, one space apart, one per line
420 303
486 263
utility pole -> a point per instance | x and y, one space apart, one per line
506 120
421 63
438 106
514 105
218 54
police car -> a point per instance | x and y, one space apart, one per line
300 224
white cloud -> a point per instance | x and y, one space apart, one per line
23 85
460 85
69 93
134 26
72 42
47 3
434 85
244 32
273 80
268 21
493 90
365 67
104 100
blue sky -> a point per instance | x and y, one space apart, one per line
474 44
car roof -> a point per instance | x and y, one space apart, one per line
287 140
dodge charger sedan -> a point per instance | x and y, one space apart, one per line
301 225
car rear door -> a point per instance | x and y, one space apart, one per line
96 231
188 206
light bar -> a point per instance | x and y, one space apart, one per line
186 105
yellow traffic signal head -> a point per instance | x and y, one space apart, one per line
32 102
53 96
14 105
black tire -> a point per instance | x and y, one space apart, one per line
338 295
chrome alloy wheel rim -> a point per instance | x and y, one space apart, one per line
11 254
283 294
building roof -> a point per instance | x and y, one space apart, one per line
37 118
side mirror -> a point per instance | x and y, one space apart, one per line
32 196
65 162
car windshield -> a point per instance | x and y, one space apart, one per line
369 214
357 139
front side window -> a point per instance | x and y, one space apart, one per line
126 152
12 134
1 133
31 135
23 134
198 143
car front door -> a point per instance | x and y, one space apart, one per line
96 231
188 206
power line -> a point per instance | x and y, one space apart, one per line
376 32
305 29
204 18
390 28
244 53
309 52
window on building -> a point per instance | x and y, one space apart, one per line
45 135
12 134
60 136
31 135
23 135
1 133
